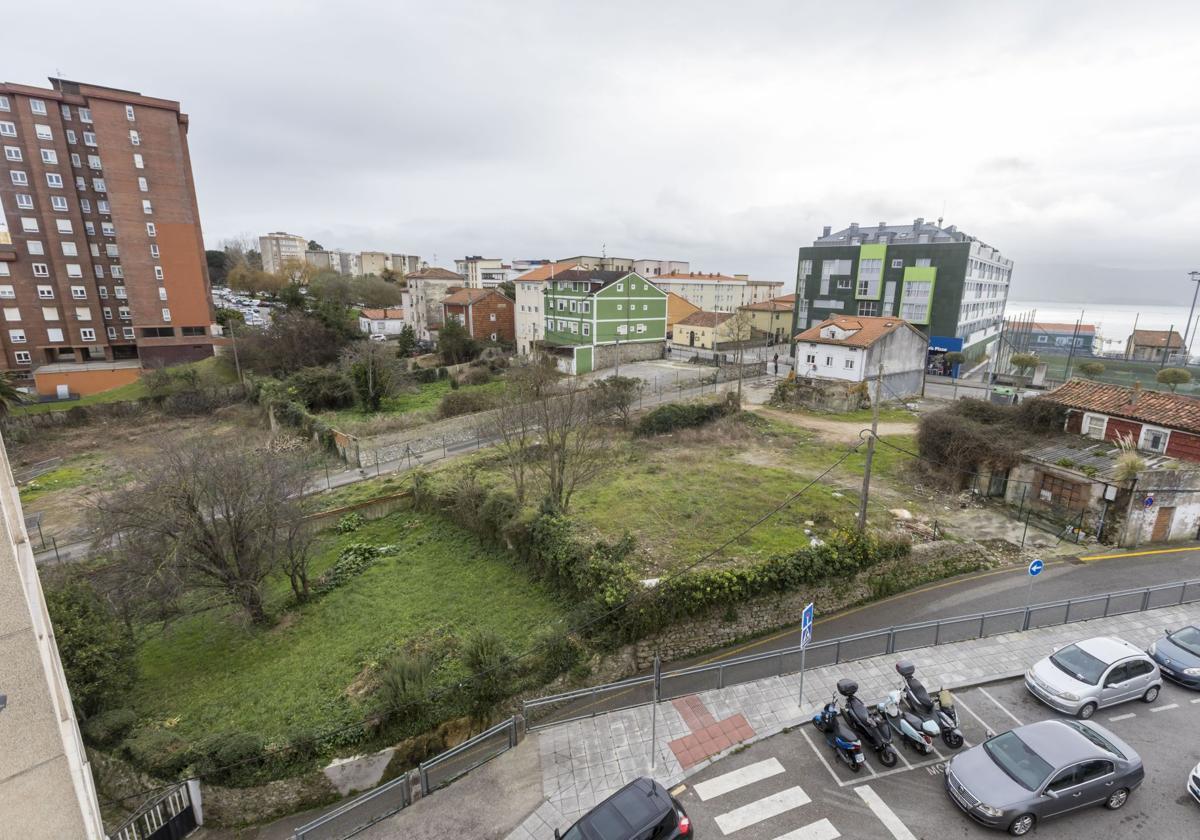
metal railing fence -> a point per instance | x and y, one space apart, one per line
639 691
172 807
364 811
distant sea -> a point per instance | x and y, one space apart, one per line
1113 321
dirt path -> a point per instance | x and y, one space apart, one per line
838 430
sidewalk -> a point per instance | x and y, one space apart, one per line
585 761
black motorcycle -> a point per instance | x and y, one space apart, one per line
839 736
874 729
940 710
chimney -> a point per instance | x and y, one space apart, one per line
826 230
854 227
917 222
1137 392
882 225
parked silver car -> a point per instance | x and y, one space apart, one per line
1079 679
1042 770
1193 783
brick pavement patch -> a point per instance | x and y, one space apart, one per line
709 736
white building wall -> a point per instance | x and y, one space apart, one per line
829 361
529 318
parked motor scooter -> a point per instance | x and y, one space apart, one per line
941 710
874 731
913 731
839 736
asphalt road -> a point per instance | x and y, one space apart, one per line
791 786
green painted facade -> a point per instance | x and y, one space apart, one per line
630 309
871 280
920 274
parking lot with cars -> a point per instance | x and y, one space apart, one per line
792 787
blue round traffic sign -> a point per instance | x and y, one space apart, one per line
1148 501
1035 568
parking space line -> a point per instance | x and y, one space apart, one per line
821 755
820 830
763 809
896 770
885 814
741 777
999 705
1165 708
1122 717
987 730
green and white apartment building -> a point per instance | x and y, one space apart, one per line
951 286
593 319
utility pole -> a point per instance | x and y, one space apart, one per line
1189 337
866 488
236 362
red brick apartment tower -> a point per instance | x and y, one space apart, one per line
101 253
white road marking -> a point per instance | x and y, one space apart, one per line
1164 708
763 809
1197 700
747 775
885 814
821 756
820 830
999 706
987 729
1123 717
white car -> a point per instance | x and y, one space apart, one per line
1193 783
1093 674
378 337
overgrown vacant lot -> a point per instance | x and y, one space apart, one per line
207 673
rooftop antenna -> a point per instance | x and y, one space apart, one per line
603 250
943 215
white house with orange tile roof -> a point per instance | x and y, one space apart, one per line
849 348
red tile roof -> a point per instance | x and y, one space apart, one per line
468 297
545 272
865 330
1156 338
704 319
434 273
1173 411
383 314
779 304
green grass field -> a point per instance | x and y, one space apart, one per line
207 673
74 473
1119 372
426 396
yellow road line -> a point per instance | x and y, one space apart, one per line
1139 553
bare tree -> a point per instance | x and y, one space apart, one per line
516 421
208 520
740 328
575 446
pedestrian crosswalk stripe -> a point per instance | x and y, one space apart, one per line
741 777
885 814
763 809
820 830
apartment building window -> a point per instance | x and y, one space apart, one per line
35 248
135 138
7 291
69 249
158 275
129 113
849 364
49 313
151 231
54 334
123 311
587 329
108 229
94 162
49 156
138 163
54 181
98 185
90 228
119 291
924 262
29 224
162 295
16 336
85 115
76 161
80 183
89 138
829 361
117 272
74 270
8 129
127 332
59 203
166 314
83 313
65 110
143 184
12 313
85 204
19 178
102 290
25 201
45 292
641 328
4 106
868 307
107 311
102 205
87 334
898 263
71 136
13 153
64 225
43 132
38 106
549 323
154 251
22 357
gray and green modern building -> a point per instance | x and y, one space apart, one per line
951 286
596 319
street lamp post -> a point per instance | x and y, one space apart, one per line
1189 333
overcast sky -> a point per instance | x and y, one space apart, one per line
1065 133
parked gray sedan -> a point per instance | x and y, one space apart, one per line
1042 770
1079 679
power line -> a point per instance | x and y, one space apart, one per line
632 599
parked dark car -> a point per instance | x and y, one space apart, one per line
1014 780
1178 655
642 810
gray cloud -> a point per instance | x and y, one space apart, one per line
1064 133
